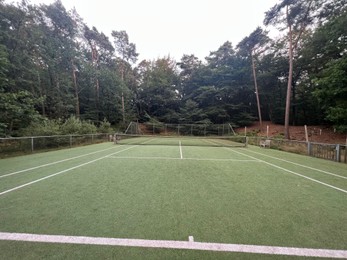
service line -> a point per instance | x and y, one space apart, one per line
63 171
52 163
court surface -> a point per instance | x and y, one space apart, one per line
173 201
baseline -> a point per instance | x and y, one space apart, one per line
171 244
63 171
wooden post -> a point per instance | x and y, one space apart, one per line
245 130
338 153
306 133
267 131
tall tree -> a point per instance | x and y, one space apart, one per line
125 49
296 16
159 93
57 51
327 55
251 46
101 50
127 56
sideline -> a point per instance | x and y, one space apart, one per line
52 163
63 171
298 164
292 172
190 244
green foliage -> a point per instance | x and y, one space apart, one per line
17 110
43 127
74 125
52 65
105 127
332 93
329 70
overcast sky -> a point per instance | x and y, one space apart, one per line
173 27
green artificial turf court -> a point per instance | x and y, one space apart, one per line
249 196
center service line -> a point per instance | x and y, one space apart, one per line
180 149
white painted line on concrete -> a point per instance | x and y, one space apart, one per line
52 163
191 245
63 171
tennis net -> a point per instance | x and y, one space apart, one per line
214 141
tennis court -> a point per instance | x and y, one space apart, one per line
146 199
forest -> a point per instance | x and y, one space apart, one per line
54 67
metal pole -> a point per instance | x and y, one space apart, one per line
32 144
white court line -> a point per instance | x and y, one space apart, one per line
298 164
181 149
63 171
171 244
295 173
52 163
187 159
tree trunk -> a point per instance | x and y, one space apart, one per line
42 96
77 105
290 78
123 110
256 91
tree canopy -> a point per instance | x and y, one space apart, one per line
53 66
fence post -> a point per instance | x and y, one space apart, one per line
309 148
70 141
32 144
338 153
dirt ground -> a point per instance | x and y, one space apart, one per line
320 134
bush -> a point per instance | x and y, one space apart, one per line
48 127
105 127
43 128
88 127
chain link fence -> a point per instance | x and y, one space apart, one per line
24 145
